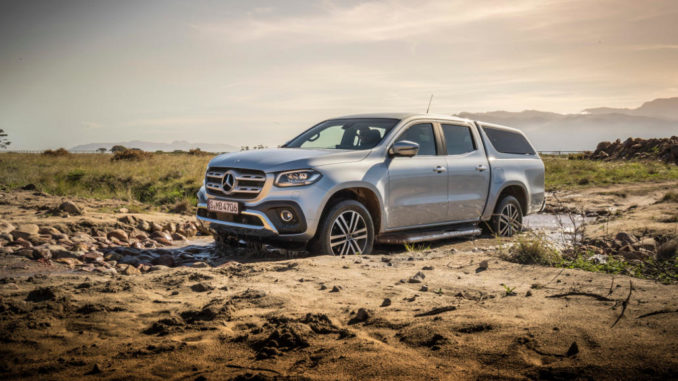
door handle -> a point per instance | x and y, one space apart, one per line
481 168
439 169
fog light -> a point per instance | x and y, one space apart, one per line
286 215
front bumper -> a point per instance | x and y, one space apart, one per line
260 216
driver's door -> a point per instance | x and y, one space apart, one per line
417 186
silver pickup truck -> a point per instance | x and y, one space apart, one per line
394 178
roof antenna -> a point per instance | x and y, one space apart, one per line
429 103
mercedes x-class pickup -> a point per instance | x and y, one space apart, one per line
349 182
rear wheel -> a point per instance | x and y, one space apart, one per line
347 228
508 218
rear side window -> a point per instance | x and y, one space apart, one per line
508 141
458 139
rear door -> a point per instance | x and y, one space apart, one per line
418 185
468 172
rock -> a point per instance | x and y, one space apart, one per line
648 244
598 259
81 237
335 289
144 225
128 269
668 250
161 234
6 227
386 302
200 265
141 236
93 257
482 266
417 278
427 268
130 220
155 227
178 237
70 262
626 238
71 208
41 252
118 234
123 210
424 288
50 231
29 187
360 317
59 251
163 241
25 231
165 260
22 242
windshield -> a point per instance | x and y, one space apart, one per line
350 134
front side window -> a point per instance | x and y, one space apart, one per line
349 134
458 139
423 135
506 141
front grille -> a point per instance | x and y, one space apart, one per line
236 183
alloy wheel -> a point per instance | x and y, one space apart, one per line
510 221
348 234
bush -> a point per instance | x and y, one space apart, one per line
197 152
533 250
131 154
58 152
75 175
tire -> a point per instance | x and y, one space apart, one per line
342 218
507 219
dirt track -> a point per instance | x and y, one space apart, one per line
327 317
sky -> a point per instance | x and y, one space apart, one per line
259 72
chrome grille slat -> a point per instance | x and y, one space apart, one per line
252 182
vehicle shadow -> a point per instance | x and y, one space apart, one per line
203 253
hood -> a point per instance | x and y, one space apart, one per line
283 159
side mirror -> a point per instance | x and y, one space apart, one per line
404 148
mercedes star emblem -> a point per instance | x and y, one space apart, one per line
229 182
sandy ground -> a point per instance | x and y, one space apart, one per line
440 313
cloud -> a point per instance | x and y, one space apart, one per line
372 21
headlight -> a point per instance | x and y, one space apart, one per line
297 178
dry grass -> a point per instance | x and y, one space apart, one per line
159 179
563 172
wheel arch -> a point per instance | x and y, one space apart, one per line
362 193
517 190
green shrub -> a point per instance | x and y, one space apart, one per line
57 152
131 154
533 250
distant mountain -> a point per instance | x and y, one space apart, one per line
552 132
663 108
154 146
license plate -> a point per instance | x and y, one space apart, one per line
222 206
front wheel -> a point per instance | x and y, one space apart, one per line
508 218
346 229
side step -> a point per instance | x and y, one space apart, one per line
428 235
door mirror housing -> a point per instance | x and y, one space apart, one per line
404 148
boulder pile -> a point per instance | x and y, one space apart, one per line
664 149
130 246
